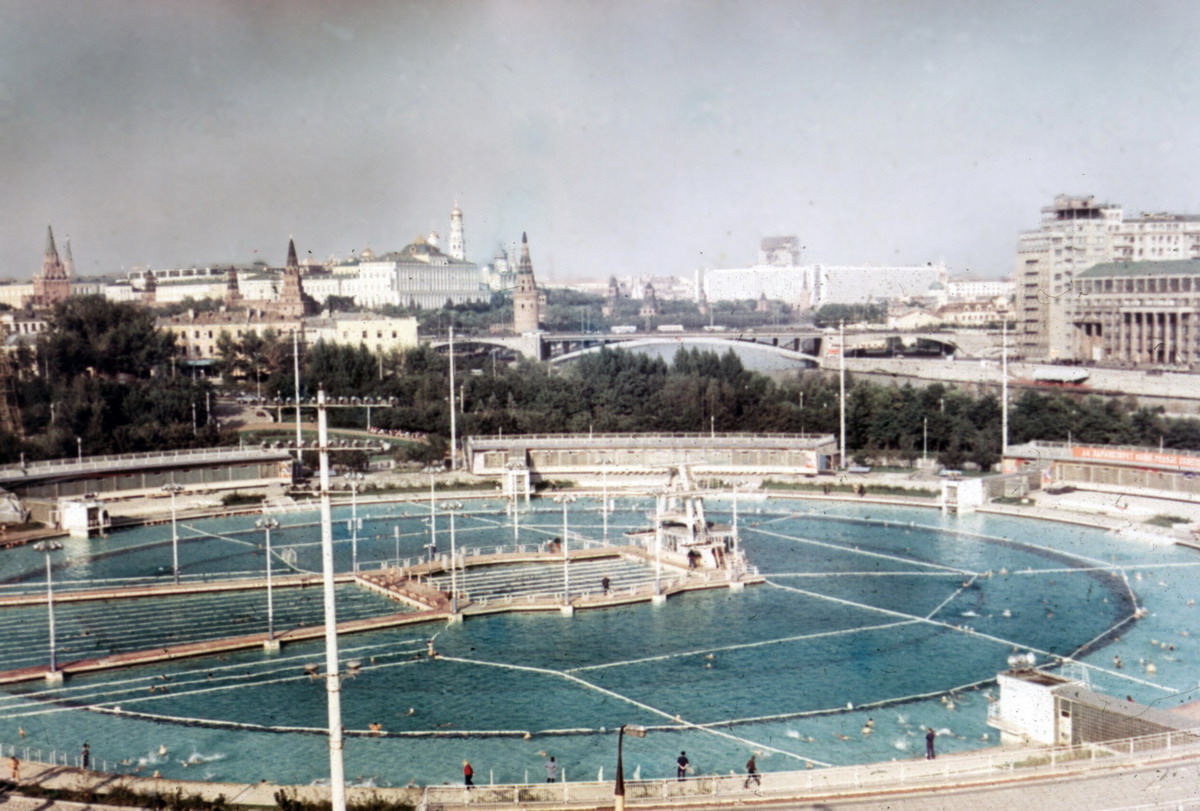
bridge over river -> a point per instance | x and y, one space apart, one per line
811 346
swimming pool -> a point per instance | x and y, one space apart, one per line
896 614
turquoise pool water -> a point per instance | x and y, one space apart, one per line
900 615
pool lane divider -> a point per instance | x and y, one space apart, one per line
406 586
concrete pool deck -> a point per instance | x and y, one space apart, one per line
1041 777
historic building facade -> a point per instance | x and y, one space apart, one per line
198 334
1138 313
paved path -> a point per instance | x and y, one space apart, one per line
1147 783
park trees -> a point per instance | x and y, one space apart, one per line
108 385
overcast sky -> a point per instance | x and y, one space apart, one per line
626 137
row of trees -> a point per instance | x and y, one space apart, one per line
614 390
108 377
103 380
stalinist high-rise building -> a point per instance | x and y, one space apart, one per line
53 283
457 249
525 294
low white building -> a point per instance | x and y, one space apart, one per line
970 288
376 332
198 334
15 294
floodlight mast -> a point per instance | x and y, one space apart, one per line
337 775
296 378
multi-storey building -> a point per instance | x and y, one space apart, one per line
1138 313
863 284
198 334
779 276
1075 234
965 288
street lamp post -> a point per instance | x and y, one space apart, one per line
452 507
432 546
78 449
333 678
565 500
511 471
355 479
842 394
266 525
453 414
48 548
174 488
296 381
619 785
604 463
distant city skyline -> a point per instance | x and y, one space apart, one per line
623 137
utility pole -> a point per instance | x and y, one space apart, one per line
333 681
453 418
1004 391
296 375
842 389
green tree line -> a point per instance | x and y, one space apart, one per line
105 374
103 380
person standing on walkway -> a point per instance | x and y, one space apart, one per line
551 770
85 757
752 773
468 775
681 766
929 736
14 767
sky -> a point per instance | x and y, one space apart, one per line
626 136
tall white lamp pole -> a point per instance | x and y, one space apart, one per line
48 548
174 488
268 524
333 682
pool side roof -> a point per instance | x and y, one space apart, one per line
1176 267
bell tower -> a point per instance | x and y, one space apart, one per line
457 249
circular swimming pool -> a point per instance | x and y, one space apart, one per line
895 615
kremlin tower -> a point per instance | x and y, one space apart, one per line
525 295
53 283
